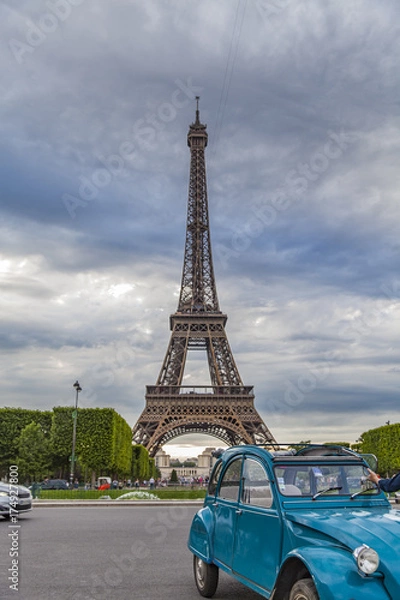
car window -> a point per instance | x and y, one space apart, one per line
336 479
212 486
301 481
256 488
230 483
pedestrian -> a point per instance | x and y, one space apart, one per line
35 489
391 484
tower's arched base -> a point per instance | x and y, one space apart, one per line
225 412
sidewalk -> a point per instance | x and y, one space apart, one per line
37 503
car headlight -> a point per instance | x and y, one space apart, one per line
3 494
367 559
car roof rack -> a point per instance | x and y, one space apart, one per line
298 449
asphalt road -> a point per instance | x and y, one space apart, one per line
99 553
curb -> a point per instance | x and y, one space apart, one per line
111 503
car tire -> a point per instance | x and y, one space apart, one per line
205 576
304 589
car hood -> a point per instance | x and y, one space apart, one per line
379 528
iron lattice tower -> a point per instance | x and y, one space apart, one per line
225 409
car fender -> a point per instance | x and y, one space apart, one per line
201 534
336 575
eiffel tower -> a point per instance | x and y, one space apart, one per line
225 409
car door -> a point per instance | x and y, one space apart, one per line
258 538
225 510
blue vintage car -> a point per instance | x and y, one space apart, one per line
301 524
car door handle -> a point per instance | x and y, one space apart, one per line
239 511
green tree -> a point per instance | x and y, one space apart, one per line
384 443
140 462
34 458
174 477
152 468
343 444
12 422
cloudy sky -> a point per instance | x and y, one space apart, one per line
301 101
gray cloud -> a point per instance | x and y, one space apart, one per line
301 105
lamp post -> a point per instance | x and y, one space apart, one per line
74 416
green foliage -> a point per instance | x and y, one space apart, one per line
140 463
152 468
384 443
12 422
174 476
122 446
103 440
34 457
61 435
162 493
344 444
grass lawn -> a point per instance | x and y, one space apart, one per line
162 493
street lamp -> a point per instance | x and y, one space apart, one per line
74 416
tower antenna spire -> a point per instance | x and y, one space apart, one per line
197 111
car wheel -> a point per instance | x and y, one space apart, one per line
206 577
304 589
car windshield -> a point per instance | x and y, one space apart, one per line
318 480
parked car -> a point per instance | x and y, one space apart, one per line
54 484
301 524
14 499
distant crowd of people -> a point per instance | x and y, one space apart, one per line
154 483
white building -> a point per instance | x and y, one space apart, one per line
205 461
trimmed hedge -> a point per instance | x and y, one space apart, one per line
103 442
103 439
12 422
163 494
384 442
